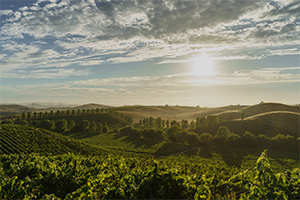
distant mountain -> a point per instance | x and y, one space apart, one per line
91 106
45 105
12 108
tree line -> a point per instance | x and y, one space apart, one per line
62 125
184 124
41 115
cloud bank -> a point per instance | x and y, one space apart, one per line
66 38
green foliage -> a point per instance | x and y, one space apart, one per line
105 128
7 121
85 124
25 139
61 125
93 127
184 124
205 138
242 115
192 139
23 122
99 128
71 125
47 124
72 176
223 133
172 133
153 134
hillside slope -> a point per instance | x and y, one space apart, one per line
257 109
172 112
191 113
26 139
284 119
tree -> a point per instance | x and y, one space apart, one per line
73 112
78 111
85 124
192 124
97 110
57 113
93 127
105 128
47 124
88 111
158 122
61 125
99 128
151 122
40 115
71 125
172 133
29 115
205 138
223 133
34 115
23 116
184 124
168 123
242 115
51 113
68 112
192 138
83 111
173 123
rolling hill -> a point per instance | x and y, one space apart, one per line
22 139
191 113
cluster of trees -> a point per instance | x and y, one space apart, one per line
225 137
161 123
184 124
39 115
62 125
178 133
151 133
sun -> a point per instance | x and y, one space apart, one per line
203 65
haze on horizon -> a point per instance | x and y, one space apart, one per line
207 53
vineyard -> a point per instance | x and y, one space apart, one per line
22 139
18 139
73 176
55 158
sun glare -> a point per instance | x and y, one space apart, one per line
203 65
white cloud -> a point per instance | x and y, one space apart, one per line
91 32
6 12
146 84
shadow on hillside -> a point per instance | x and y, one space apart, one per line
170 149
137 142
235 156
79 136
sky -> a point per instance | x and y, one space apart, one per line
154 52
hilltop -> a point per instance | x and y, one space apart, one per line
191 113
